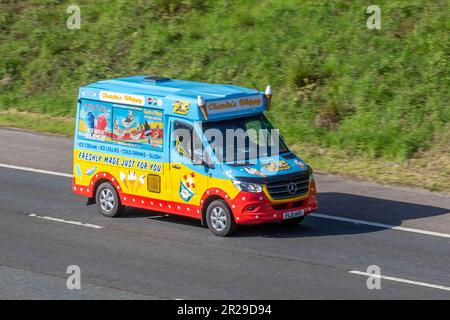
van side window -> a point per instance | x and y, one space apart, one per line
187 143
182 139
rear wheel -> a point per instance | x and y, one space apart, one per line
220 219
108 201
293 221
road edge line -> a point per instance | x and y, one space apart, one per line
391 278
381 225
54 173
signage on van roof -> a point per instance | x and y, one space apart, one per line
221 100
233 105
124 98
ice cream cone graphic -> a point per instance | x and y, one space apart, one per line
187 187
123 179
132 179
140 182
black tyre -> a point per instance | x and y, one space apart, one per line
108 201
219 219
293 221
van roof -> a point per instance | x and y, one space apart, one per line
171 91
151 85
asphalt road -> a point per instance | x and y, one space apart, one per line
146 255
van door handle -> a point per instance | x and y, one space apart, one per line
176 166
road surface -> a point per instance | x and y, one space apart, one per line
44 228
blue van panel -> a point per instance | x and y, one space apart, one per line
170 93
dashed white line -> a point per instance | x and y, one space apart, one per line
381 225
81 224
417 283
53 173
318 215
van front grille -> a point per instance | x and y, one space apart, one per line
291 188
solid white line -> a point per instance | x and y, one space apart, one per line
318 215
417 283
381 225
53 173
67 221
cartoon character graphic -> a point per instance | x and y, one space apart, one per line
187 187
254 171
154 136
178 147
135 133
117 130
181 107
156 133
128 125
275 166
128 121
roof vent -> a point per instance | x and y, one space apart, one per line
155 79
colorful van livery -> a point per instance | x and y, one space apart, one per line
153 143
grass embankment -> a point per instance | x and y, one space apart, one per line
370 103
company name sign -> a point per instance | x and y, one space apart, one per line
123 98
236 104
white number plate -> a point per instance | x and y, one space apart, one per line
293 214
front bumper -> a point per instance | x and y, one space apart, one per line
256 208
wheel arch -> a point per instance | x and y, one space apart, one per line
97 180
206 204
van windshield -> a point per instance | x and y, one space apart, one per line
239 141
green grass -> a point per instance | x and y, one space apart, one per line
374 94
37 122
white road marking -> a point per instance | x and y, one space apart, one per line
53 173
381 225
417 283
66 221
318 215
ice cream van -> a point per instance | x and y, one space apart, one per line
200 150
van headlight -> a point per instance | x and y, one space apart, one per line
310 173
247 186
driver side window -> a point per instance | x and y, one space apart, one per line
182 139
188 144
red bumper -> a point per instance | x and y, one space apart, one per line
256 208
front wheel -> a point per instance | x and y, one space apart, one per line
219 219
107 200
